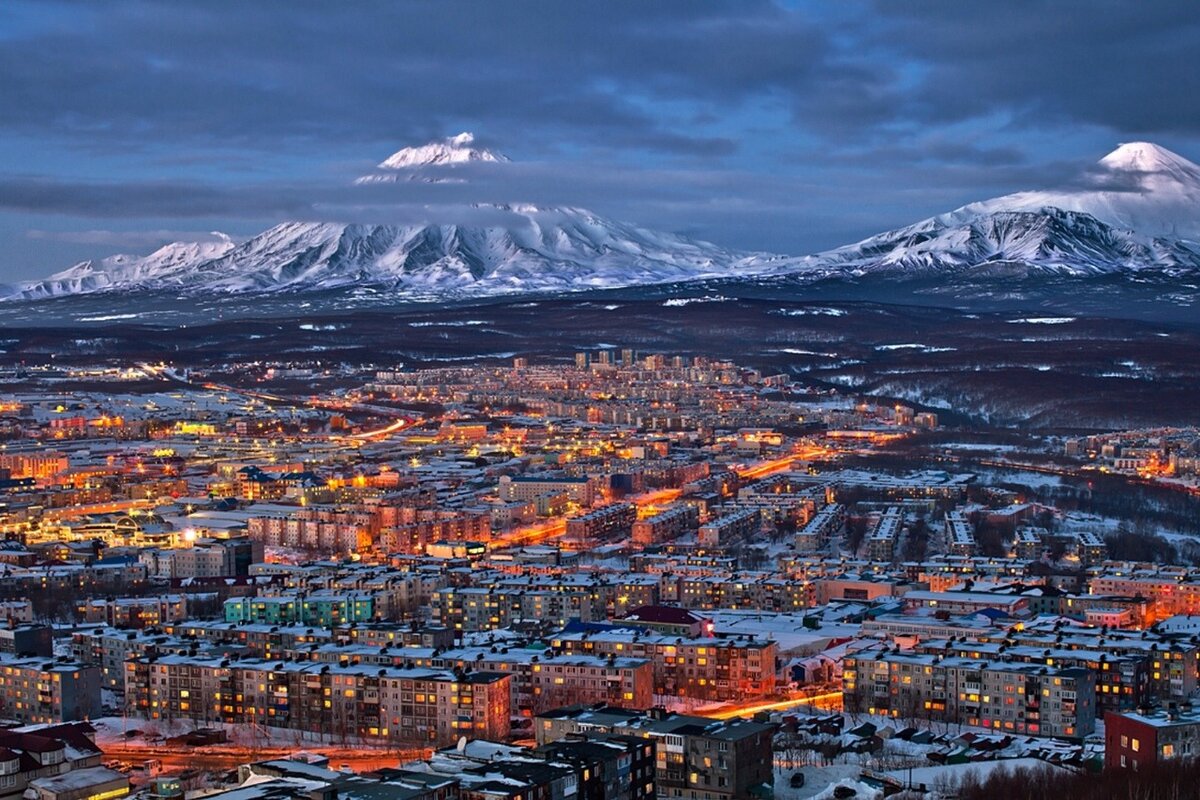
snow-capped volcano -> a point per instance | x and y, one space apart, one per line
514 249
1137 211
408 163
1139 208
1139 186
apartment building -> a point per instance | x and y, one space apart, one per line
39 465
390 703
883 537
668 524
761 590
1122 681
607 522
716 670
323 609
959 534
581 491
478 608
827 524
730 528
541 681
696 758
206 558
47 690
1029 699
1170 593
1140 739
135 612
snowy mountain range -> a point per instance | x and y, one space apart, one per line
535 249
1138 210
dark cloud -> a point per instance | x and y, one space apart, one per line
758 124
122 240
1129 67
158 199
399 72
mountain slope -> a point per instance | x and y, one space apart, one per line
533 250
1047 239
1139 186
1137 213
1139 209
170 262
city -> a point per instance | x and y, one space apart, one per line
528 400
545 571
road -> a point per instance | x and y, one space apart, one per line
221 758
831 701
557 528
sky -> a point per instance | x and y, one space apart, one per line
766 126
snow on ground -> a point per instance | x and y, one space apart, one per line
820 311
944 774
818 781
1034 480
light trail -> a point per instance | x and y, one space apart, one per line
748 709
379 433
557 528
216 758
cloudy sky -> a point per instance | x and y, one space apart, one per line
758 125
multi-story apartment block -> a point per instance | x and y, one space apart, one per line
1029 544
696 757
730 528
481 609
882 539
541 682
391 703
1137 740
1091 548
666 525
710 669
581 491
1170 593
48 690
39 465
827 524
319 608
1010 697
1122 681
607 522
136 612
960 536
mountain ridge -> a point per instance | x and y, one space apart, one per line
1137 210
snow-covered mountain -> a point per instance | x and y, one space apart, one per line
171 262
1136 212
413 163
1138 209
520 249
1139 186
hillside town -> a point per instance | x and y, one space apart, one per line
622 575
